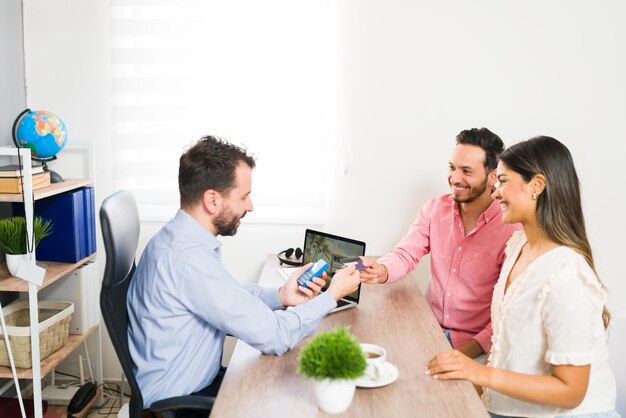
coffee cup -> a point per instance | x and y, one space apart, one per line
376 359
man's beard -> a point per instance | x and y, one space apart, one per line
474 193
226 222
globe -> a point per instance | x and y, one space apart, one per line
43 132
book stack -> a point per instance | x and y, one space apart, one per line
12 180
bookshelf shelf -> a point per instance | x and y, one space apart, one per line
52 360
54 271
53 189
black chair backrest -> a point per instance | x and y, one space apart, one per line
119 220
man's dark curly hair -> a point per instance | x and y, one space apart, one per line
210 163
485 139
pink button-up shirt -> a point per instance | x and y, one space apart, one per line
464 268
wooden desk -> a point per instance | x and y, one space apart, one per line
394 316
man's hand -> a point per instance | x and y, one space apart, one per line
292 294
374 273
344 282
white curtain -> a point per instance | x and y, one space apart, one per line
263 74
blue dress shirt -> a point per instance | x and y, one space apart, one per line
182 302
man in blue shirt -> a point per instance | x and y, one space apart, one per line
182 301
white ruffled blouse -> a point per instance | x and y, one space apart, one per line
551 314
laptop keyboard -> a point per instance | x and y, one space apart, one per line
342 302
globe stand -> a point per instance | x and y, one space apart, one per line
54 176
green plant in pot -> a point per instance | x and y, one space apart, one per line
334 360
13 238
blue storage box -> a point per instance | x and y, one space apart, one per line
73 225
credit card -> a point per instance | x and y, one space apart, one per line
355 261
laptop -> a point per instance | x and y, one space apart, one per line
333 249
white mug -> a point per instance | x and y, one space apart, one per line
376 358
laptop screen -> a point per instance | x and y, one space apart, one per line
332 249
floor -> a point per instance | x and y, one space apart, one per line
102 412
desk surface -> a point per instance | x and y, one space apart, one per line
395 316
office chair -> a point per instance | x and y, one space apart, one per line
119 220
617 347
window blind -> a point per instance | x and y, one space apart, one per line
264 75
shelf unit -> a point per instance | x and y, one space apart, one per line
54 272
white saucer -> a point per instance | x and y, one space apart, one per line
388 377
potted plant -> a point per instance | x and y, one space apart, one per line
334 360
13 238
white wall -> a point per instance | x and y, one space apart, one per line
414 75
11 68
12 96
68 73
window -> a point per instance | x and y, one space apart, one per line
259 74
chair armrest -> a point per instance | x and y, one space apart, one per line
201 403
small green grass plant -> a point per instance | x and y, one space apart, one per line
13 233
334 354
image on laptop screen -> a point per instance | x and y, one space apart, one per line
332 249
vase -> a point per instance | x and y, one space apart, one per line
13 262
334 396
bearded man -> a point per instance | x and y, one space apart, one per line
182 301
465 236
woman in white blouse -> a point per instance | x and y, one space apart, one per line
548 356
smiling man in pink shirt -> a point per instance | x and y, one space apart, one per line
465 236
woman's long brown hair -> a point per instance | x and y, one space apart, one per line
559 208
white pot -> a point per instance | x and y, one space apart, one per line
334 396
13 262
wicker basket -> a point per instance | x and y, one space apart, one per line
54 321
